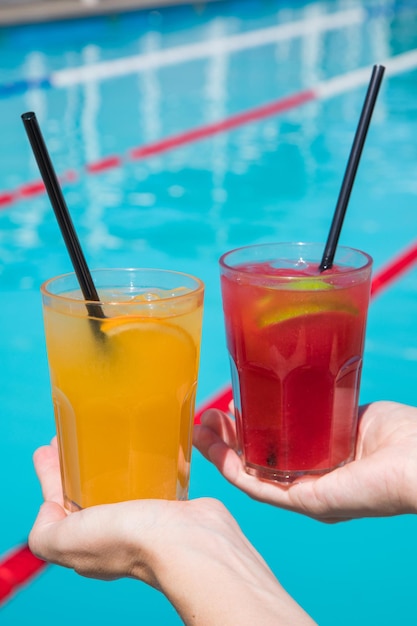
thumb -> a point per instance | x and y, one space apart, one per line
39 538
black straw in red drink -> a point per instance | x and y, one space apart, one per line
352 166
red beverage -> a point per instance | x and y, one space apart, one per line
296 340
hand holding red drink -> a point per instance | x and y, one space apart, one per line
379 482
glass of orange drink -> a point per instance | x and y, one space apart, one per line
124 377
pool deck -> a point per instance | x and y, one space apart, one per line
30 11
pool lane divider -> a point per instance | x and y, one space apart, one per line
312 25
17 569
221 400
322 91
394 269
196 51
227 124
282 105
19 566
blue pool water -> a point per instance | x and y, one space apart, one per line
276 178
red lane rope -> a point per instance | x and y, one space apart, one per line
220 401
169 143
394 269
229 123
20 565
35 188
106 163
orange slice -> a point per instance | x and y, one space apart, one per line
113 326
149 337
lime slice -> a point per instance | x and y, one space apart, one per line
301 310
330 301
308 284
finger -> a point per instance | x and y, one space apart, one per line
300 497
216 440
222 424
46 463
212 439
227 461
207 440
204 439
40 535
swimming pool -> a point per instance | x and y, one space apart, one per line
181 133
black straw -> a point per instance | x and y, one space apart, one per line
351 168
61 212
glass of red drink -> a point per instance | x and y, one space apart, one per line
295 338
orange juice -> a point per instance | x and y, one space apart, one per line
124 386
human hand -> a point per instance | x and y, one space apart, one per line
194 552
380 481
96 542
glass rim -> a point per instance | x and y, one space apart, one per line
368 260
63 297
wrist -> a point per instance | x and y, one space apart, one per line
408 495
211 573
